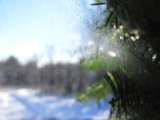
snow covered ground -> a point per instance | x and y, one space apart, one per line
30 104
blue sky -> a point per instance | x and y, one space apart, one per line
28 26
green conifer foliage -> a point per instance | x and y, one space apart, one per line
135 83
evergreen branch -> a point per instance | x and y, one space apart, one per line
100 3
130 94
109 18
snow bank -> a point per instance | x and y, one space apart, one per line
28 104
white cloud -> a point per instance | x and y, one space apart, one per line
22 51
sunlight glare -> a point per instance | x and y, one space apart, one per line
121 37
121 27
137 37
90 43
111 53
135 31
101 48
126 35
154 57
132 38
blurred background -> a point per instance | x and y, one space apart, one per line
42 42
61 79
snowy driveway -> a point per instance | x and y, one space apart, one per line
29 104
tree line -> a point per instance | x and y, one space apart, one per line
54 78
